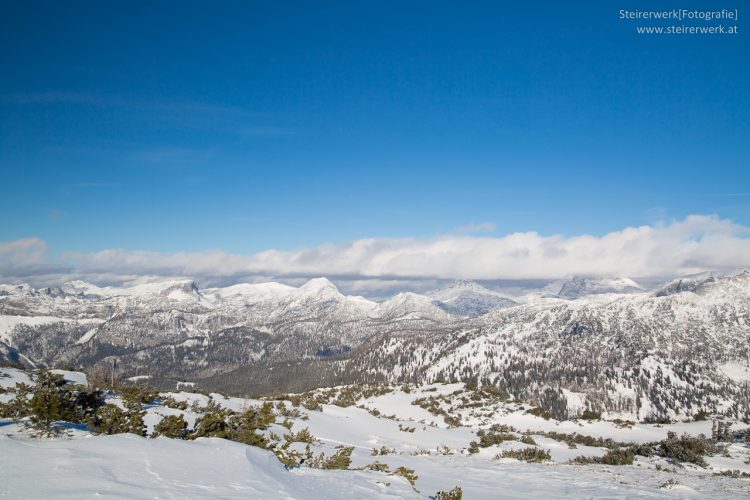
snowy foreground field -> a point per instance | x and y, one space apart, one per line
407 443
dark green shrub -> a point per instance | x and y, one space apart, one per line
302 436
657 419
495 435
18 407
540 412
51 401
528 440
591 415
140 393
644 450
171 402
407 473
686 449
172 426
490 391
377 466
54 399
339 460
109 419
213 422
701 416
244 427
452 421
680 449
455 494
384 450
736 473
582 439
528 455
623 424
618 456
311 404
585 460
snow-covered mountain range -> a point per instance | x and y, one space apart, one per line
466 298
598 343
581 287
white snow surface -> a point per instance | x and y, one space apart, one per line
580 287
77 378
736 371
9 377
82 465
467 298
129 466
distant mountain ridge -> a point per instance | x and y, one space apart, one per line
606 341
580 287
466 298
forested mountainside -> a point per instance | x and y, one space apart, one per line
599 344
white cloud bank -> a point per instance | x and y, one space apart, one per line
694 244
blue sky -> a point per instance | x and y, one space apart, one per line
247 126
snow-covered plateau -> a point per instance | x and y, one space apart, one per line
396 442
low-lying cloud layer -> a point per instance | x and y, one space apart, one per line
695 244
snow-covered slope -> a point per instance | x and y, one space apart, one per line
704 282
391 431
252 293
409 305
22 289
128 466
466 298
634 353
580 287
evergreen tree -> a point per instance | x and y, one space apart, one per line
244 426
18 407
51 401
213 422
343 458
133 401
140 392
135 413
248 436
171 426
109 419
